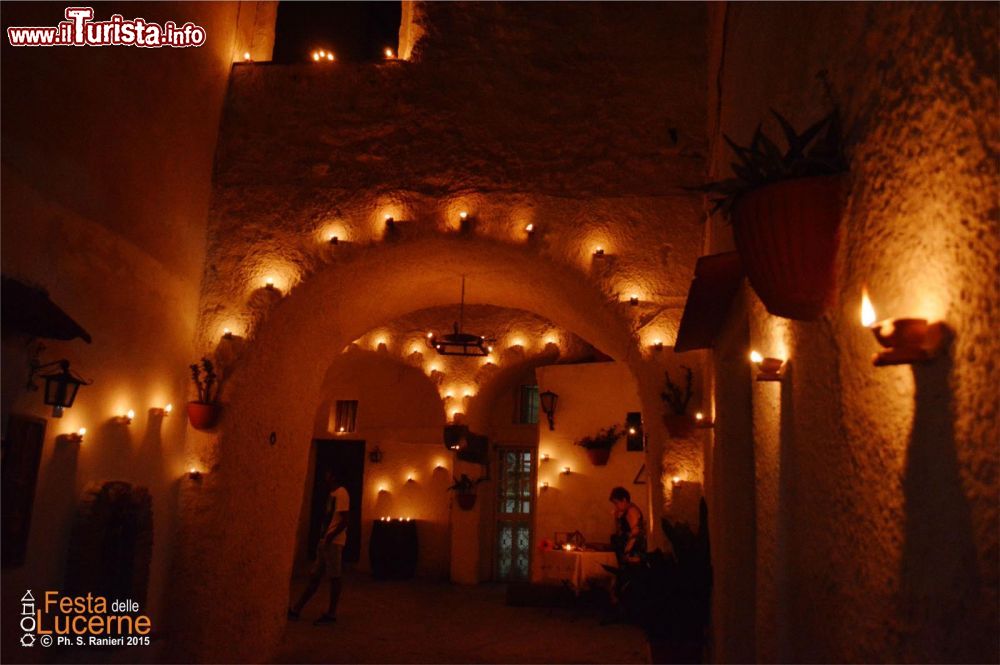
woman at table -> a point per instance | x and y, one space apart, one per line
630 527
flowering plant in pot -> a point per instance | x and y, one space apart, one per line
204 411
598 446
785 209
676 398
465 491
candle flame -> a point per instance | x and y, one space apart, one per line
867 311
80 432
699 416
756 357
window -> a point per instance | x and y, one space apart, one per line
527 405
347 416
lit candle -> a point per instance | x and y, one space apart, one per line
867 311
246 56
389 54
756 358
529 228
599 251
168 409
269 283
334 239
699 416
315 56
227 333
633 300
329 56
631 430
676 479
463 215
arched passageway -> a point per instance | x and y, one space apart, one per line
247 507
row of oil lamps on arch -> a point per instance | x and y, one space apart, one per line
333 239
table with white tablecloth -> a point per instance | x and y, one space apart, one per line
577 568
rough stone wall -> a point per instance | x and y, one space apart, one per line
874 489
106 171
487 117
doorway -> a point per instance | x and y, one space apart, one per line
347 458
515 507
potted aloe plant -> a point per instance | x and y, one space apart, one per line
465 491
204 411
785 209
678 422
598 446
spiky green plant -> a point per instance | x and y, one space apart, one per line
814 152
678 398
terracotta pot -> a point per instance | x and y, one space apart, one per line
466 500
203 416
679 426
598 456
787 234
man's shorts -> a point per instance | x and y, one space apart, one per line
328 560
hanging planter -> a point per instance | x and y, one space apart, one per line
676 399
599 456
465 491
204 412
680 426
466 501
203 416
787 234
785 210
599 445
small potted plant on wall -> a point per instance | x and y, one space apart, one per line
676 399
465 491
204 411
598 446
785 210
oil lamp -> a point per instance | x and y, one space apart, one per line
906 341
769 369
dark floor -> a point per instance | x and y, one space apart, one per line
418 621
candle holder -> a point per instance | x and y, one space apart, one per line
73 437
703 422
657 345
908 341
334 240
125 418
769 369
194 474
566 471
633 301
599 253
227 333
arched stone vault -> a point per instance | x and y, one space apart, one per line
246 508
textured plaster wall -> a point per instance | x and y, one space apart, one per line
487 117
591 397
874 490
107 160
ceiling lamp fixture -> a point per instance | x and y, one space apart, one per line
457 342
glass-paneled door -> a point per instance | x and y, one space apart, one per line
514 512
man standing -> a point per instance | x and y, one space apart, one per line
329 552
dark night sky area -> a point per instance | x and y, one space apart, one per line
354 31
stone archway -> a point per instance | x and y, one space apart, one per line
238 536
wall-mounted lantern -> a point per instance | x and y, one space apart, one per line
548 401
375 455
61 385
